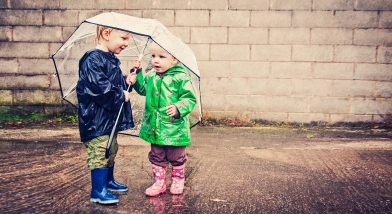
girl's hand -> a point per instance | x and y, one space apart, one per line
173 111
137 64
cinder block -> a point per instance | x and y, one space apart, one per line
269 116
244 36
158 4
86 14
8 66
23 97
333 71
53 47
24 50
77 4
384 55
249 69
145 4
5 34
207 4
209 35
308 117
230 52
230 18
188 18
311 87
345 53
313 53
269 87
332 36
164 16
42 34
214 69
20 17
184 33
4 4
34 4
385 19
273 53
270 19
201 51
286 104
333 5
249 5
384 89
242 103
6 97
350 118
289 36
223 85
108 5
329 105
373 37
291 70
380 72
214 102
371 106
61 18
36 66
373 5
356 19
353 88
291 5
24 82
313 19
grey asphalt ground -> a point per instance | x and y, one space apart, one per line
230 170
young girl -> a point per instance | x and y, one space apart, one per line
101 89
169 100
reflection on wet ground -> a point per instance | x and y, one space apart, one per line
232 171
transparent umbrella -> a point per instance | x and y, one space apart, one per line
143 32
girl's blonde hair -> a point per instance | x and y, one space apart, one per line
98 35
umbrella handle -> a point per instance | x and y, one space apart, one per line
107 151
140 58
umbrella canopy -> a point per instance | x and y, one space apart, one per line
143 33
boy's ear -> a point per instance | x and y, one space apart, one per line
105 34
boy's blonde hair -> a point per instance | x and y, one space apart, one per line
98 35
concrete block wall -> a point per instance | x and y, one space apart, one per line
277 60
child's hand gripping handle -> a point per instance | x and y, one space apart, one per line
107 152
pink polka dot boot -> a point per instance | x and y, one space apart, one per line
178 179
159 185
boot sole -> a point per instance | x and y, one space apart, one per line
153 195
117 190
97 200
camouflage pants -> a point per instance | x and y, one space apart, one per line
96 148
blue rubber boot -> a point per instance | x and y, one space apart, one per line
112 185
99 192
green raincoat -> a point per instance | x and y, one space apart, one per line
161 90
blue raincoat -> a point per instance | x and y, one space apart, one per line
100 95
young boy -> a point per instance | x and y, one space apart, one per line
101 89
169 99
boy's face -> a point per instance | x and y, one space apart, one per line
161 59
117 41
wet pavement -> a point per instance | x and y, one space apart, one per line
230 170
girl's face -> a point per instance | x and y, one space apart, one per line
161 59
117 41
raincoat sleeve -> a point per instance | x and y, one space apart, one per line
187 98
140 85
98 86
